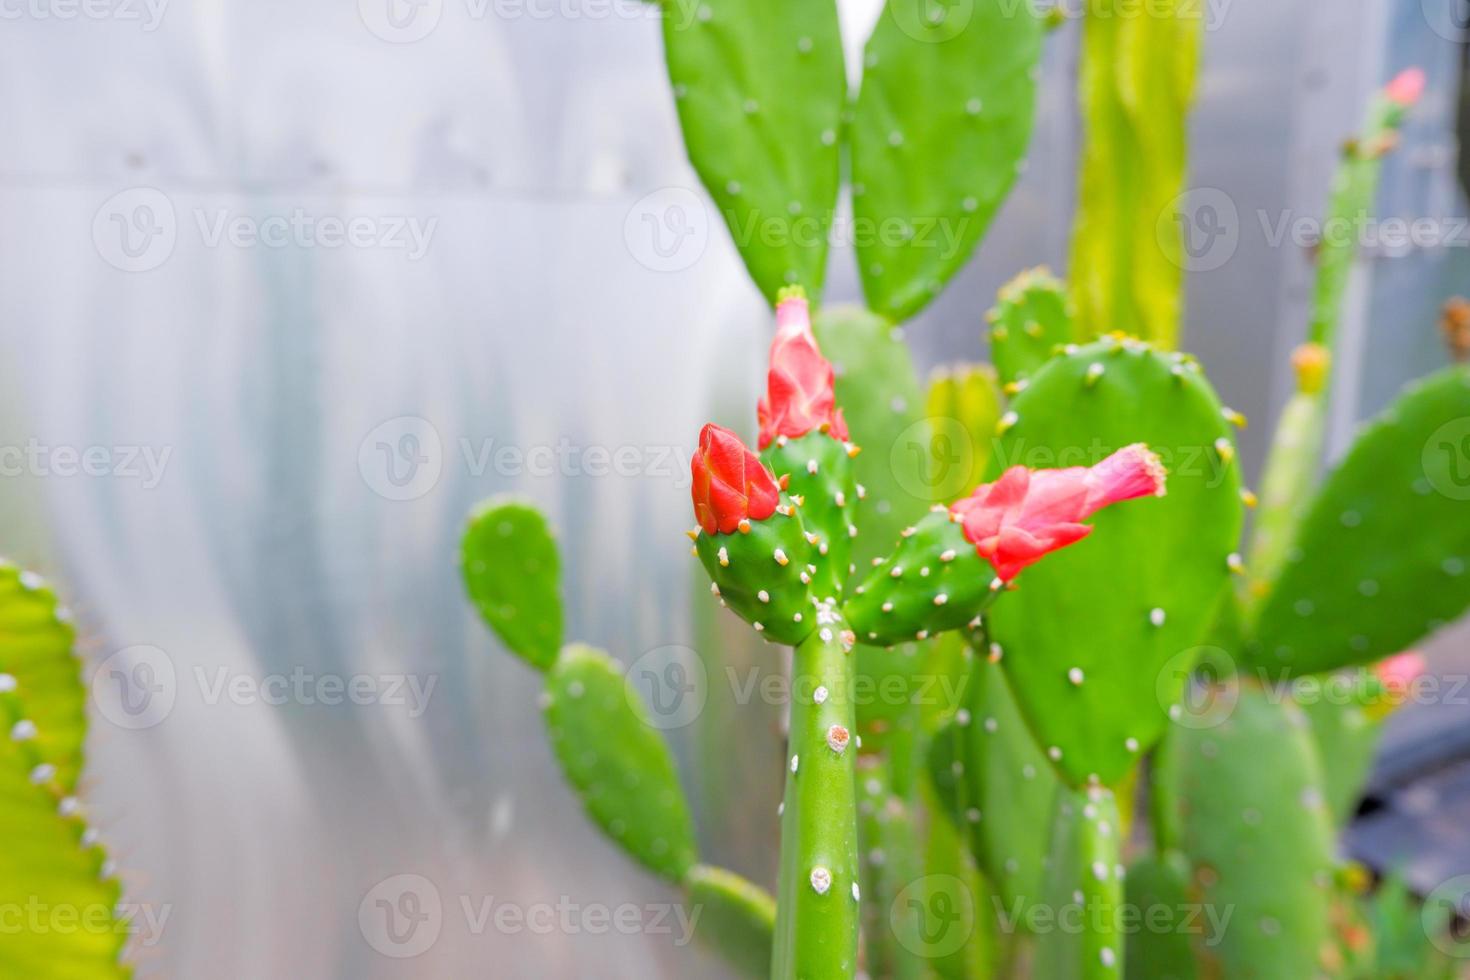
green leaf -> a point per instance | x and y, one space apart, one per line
1031 319
1137 84
617 761
1382 558
512 572
736 918
51 864
1243 778
760 88
1094 634
941 127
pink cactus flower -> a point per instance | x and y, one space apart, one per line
1399 674
1025 515
799 395
1406 88
731 484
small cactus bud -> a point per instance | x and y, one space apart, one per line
799 388
730 484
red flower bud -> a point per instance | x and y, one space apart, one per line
799 394
1406 87
1025 515
730 483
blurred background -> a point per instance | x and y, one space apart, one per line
286 287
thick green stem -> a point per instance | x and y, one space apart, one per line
818 894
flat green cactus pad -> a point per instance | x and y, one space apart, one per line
1090 630
760 89
998 787
617 762
1346 730
51 862
736 918
765 575
948 92
1252 819
1084 878
509 561
820 473
963 405
1382 559
1031 318
1158 892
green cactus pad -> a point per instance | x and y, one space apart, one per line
1243 777
1137 84
51 861
511 569
1084 877
880 397
765 575
1161 882
891 862
760 89
736 918
820 472
951 97
1346 729
964 404
617 762
1382 559
934 581
1031 319
1096 626
997 786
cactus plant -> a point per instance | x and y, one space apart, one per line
1085 873
53 864
1030 320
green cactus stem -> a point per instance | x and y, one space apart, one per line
1032 317
736 918
1160 882
891 861
1084 875
819 893
1137 85
817 470
765 575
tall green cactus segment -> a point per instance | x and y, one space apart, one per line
612 753
964 405
1382 558
1084 879
51 861
948 91
1137 84
1095 625
760 89
998 787
1031 319
817 470
1160 882
511 569
602 732
1259 837
818 902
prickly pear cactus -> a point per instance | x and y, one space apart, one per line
613 756
1258 836
760 89
997 786
1094 627
765 576
1158 885
817 470
1128 247
51 856
1031 319
735 918
1346 731
1382 558
1084 875
889 838
510 566
950 92
964 404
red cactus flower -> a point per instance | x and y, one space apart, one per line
1407 87
799 394
1398 675
730 483
1025 515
